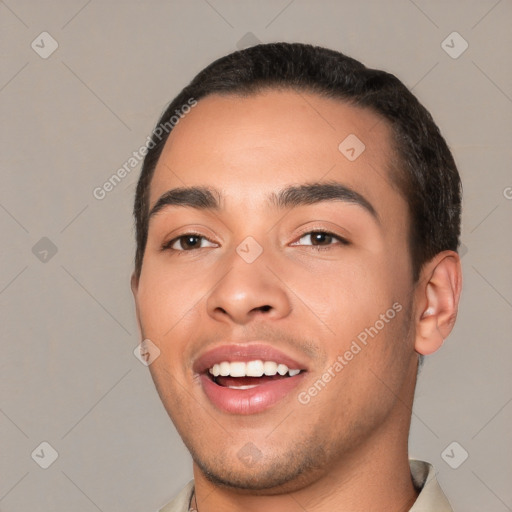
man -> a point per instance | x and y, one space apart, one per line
297 234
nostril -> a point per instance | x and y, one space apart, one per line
265 308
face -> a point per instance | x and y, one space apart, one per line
261 284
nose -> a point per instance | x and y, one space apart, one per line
247 291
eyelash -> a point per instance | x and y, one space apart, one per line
341 240
167 246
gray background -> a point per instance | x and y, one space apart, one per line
69 121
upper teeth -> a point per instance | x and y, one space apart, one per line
250 369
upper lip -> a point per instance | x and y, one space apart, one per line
244 352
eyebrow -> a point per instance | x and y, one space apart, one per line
207 198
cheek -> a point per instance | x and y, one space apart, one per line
167 299
360 307
368 359
169 317
347 295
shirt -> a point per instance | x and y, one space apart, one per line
430 499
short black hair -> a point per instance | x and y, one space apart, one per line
425 172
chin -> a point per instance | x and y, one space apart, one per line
285 472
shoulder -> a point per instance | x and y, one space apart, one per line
181 501
431 497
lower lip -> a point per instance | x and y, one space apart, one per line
249 401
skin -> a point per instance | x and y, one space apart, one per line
347 448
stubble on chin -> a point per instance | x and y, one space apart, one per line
273 473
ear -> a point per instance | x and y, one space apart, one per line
437 298
134 284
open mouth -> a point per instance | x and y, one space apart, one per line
247 378
246 394
248 375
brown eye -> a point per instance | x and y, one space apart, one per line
188 242
320 239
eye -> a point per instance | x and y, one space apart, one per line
187 242
320 239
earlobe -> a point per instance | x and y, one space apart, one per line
428 337
438 297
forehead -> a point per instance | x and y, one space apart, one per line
252 145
